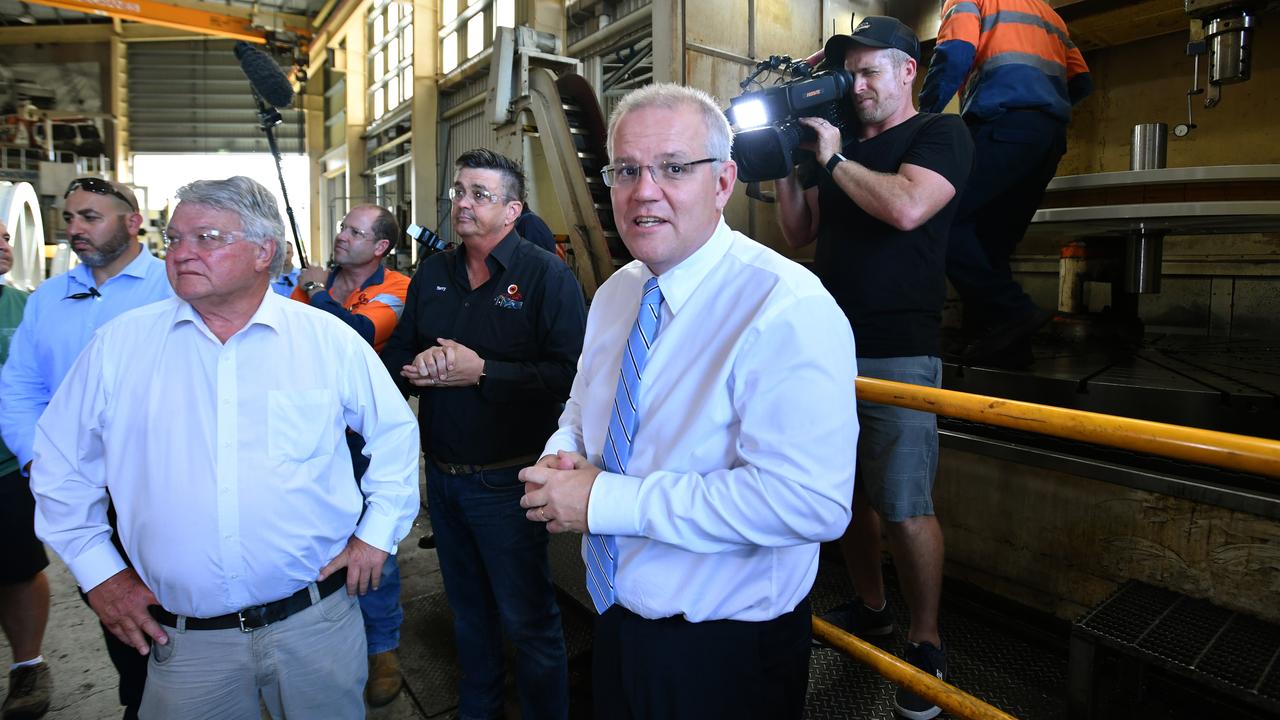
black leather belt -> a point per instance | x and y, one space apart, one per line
462 469
258 616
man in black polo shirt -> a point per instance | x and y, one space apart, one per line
489 341
880 212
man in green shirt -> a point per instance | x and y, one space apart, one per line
24 588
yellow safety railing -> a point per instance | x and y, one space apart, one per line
943 694
1259 456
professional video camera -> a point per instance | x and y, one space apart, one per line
768 134
432 242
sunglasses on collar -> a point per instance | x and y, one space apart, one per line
97 186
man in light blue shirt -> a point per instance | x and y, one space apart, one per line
287 280
116 274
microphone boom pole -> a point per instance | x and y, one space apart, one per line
268 118
271 90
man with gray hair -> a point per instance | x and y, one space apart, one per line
879 203
677 454
216 422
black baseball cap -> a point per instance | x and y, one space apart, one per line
875 31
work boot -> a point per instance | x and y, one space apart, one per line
28 696
1007 345
384 679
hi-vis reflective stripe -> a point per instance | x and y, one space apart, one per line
989 22
1006 32
391 301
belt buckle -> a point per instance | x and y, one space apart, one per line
253 622
456 469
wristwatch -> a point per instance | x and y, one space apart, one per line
311 286
835 160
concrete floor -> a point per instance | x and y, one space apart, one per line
85 682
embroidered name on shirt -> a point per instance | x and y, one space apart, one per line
511 299
439 288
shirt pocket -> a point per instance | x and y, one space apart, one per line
297 423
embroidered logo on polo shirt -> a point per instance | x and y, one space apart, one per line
511 299
440 288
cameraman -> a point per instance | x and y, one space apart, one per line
879 205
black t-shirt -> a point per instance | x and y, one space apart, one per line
890 283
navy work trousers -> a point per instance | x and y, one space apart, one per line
1014 158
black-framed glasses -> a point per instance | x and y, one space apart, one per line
663 173
97 186
478 195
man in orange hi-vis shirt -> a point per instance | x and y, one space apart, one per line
1021 75
361 292
368 297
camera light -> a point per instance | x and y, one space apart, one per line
750 114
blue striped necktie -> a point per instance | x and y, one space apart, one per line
602 550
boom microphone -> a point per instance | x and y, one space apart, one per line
264 75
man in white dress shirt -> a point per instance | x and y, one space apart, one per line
706 448
216 422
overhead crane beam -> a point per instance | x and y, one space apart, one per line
181 17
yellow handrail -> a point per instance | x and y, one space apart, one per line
1243 453
1260 456
944 695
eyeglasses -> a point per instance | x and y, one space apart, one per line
667 172
480 196
97 186
206 241
355 232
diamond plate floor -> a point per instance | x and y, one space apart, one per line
1021 678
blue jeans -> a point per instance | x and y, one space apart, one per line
498 580
380 608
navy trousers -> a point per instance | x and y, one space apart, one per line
1015 156
678 670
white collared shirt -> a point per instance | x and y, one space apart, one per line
227 463
743 458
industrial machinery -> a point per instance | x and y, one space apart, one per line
1222 30
20 211
570 128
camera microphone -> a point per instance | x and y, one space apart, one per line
266 77
433 242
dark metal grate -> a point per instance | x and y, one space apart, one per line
1184 632
1251 640
1232 652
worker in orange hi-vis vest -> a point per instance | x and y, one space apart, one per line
370 298
1021 75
